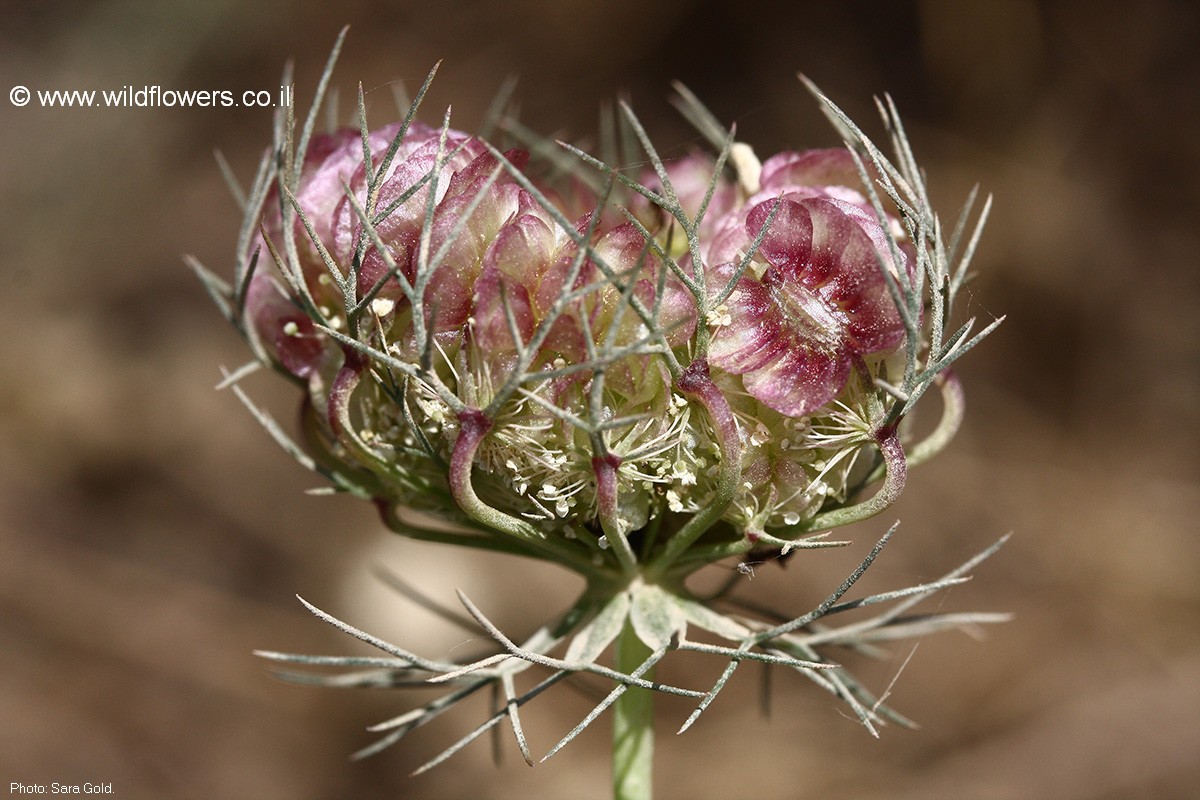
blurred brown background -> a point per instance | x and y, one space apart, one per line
151 535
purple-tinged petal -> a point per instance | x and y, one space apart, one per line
481 167
322 184
553 282
812 168
855 284
753 334
522 249
787 244
459 238
627 254
677 313
493 333
512 264
805 313
800 380
285 331
414 160
622 248
402 246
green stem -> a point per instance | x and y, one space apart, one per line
952 417
633 724
473 427
897 473
696 382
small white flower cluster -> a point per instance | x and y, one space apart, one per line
538 465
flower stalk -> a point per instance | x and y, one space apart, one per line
696 382
633 723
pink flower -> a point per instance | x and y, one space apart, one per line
814 300
495 246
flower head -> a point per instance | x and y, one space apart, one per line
426 279
630 377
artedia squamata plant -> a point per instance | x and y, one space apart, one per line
633 373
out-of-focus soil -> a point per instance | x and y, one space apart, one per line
151 536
